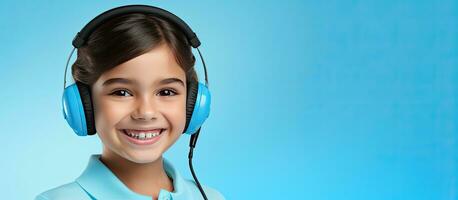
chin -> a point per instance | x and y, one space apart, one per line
144 156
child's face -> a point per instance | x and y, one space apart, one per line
142 104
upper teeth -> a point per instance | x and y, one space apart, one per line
143 134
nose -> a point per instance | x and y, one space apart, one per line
145 110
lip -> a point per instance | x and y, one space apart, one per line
141 142
143 129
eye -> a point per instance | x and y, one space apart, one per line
168 92
120 93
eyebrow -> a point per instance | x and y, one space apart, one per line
131 82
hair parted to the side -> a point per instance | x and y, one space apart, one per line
128 36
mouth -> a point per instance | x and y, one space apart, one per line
143 135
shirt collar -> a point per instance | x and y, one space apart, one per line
99 182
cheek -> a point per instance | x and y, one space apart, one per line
107 114
177 116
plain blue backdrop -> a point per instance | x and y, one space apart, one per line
311 99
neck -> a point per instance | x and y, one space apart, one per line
142 178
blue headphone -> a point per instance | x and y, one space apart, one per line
77 104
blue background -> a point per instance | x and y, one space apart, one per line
311 99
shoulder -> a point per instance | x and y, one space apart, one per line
64 192
210 192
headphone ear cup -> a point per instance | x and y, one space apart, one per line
191 96
197 107
73 111
85 94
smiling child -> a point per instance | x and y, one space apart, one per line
136 70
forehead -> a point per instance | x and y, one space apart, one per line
148 68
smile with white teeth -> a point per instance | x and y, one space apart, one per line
142 135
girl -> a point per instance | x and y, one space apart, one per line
135 69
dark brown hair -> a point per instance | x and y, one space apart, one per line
128 36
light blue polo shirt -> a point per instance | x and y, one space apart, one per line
98 182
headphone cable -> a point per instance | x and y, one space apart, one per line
192 144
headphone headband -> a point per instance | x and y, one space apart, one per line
82 36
